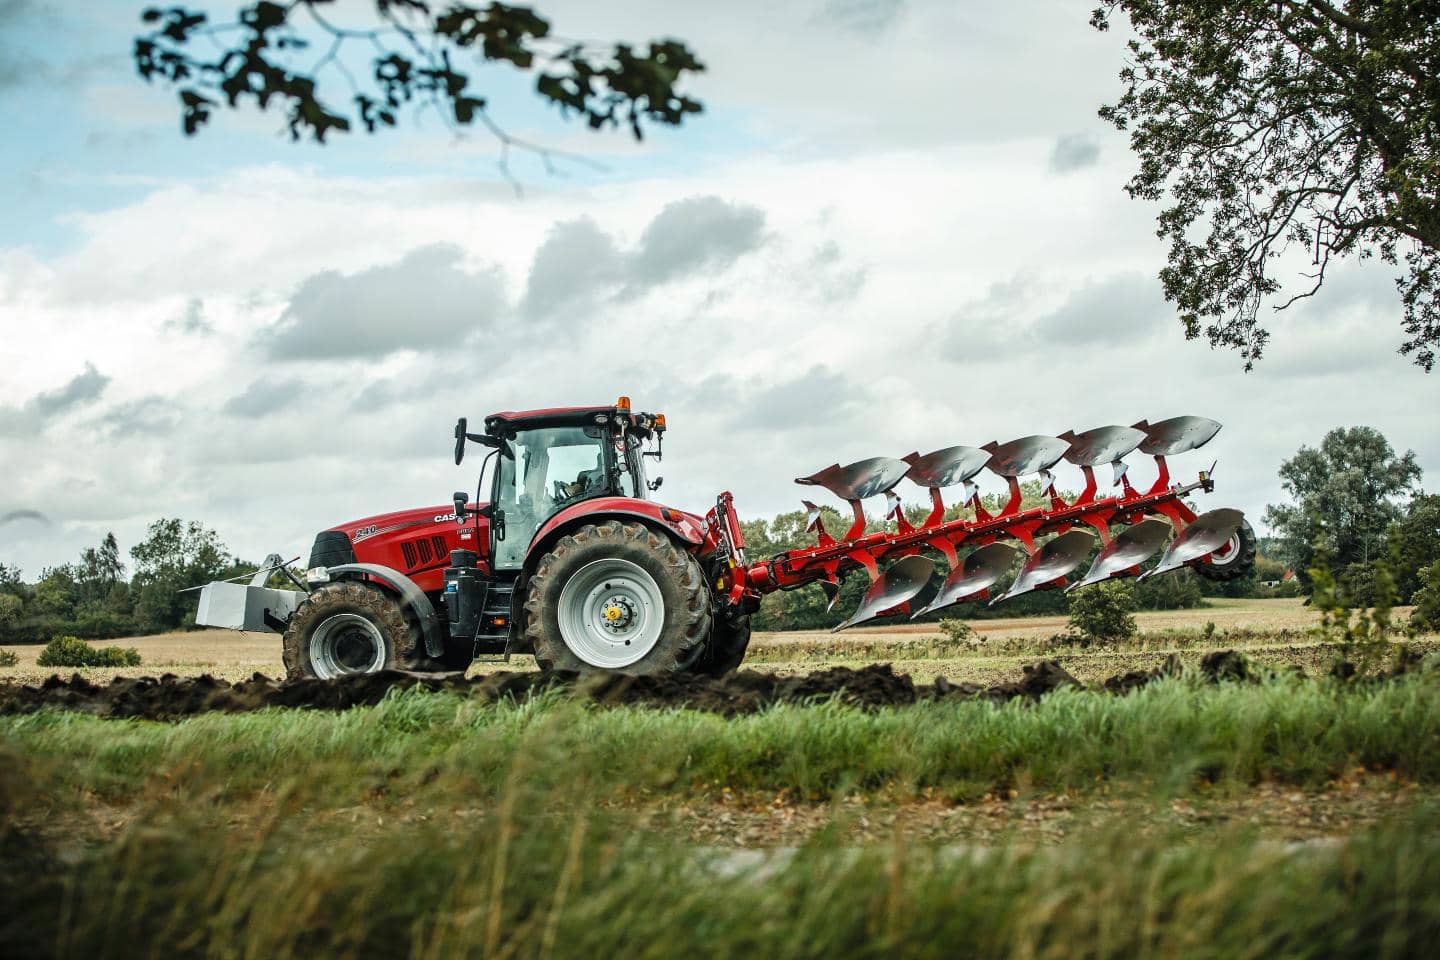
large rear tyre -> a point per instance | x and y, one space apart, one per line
617 596
729 639
1234 559
349 628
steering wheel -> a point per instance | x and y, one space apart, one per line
587 482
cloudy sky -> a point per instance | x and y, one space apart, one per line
899 225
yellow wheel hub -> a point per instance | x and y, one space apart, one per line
613 613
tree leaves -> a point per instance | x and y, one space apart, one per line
1344 493
502 32
635 87
252 61
1277 127
177 23
194 110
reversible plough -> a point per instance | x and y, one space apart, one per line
1210 542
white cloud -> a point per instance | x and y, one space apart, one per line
576 262
579 264
38 412
190 320
264 397
698 233
427 300
1126 308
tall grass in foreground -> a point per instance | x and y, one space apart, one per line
273 835
523 882
1172 734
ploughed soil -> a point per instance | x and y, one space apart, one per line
170 697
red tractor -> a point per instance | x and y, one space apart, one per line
569 561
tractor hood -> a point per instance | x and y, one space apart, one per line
416 542
380 525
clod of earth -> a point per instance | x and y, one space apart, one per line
1228 665
1123 683
170 697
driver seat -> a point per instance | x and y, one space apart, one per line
591 479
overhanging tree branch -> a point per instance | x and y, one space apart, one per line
416 52
1278 123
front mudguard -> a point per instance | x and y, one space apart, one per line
411 597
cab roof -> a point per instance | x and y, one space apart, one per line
547 413
509 421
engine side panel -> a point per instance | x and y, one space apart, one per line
417 542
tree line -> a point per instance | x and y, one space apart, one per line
1357 510
93 598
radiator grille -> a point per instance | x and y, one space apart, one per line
422 551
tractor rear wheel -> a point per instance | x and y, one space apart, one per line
729 639
617 596
1233 559
347 628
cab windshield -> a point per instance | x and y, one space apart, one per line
542 471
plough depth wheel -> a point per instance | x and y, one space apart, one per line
1232 560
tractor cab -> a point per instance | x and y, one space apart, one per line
549 460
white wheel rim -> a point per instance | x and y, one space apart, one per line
346 644
611 613
1227 552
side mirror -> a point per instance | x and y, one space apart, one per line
654 485
459 441
461 498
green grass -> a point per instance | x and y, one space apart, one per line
523 881
434 826
1172 733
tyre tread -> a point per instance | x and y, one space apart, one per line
404 650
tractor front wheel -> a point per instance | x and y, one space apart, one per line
617 596
1233 559
347 628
